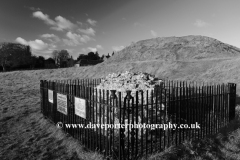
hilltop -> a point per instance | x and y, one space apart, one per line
193 58
175 49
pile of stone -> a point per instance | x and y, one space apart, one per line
129 81
123 82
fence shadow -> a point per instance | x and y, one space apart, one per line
237 100
234 124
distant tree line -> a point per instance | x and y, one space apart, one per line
89 56
93 56
14 56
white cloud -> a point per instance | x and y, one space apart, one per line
34 9
200 23
35 45
78 37
38 47
59 24
62 23
92 22
75 39
51 37
69 42
99 47
44 17
117 48
38 44
88 31
21 41
153 33
48 35
92 49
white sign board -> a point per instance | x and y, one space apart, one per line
50 96
62 103
80 107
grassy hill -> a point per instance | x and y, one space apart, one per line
25 134
175 49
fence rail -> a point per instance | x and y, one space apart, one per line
79 102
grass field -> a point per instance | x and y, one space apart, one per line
25 134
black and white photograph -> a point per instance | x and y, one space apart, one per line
119 80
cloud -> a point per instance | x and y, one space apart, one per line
21 41
44 17
88 31
51 37
153 33
59 24
199 23
99 47
117 48
35 45
38 47
38 44
69 42
76 39
92 22
48 35
62 23
32 8
92 49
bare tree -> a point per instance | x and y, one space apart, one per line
55 56
60 57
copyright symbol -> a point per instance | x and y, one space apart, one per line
59 125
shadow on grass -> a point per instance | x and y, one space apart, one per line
223 145
237 100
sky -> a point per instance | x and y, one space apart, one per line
82 26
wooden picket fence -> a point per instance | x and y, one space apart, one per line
209 107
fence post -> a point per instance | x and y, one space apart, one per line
113 103
41 93
232 100
121 130
45 94
54 102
